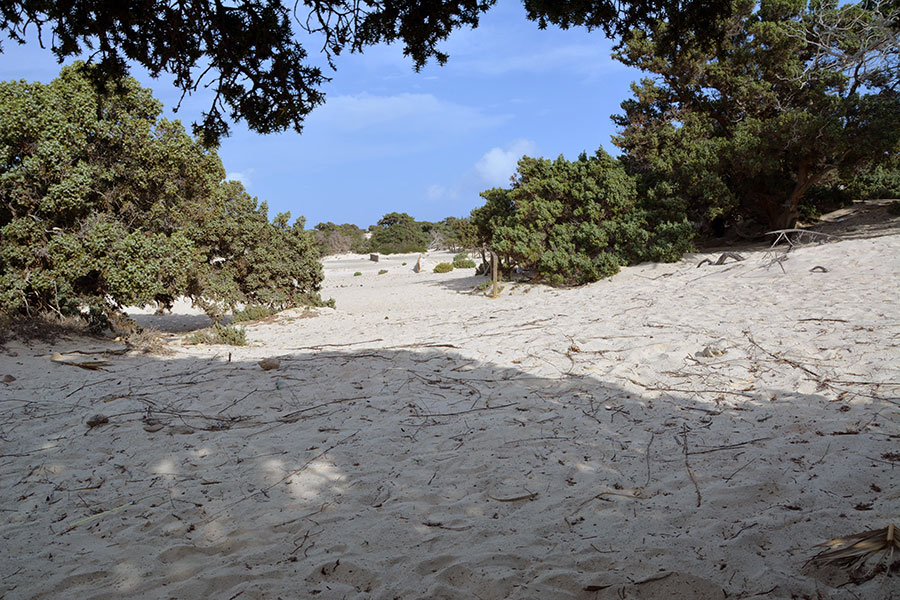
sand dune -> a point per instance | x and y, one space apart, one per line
674 432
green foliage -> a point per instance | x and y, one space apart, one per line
820 199
443 267
339 239
878 182
745 128
382 271
226 335
462 261
357 274
398 233
103 205
250 52
251 313
575 222
450 233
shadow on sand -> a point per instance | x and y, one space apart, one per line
409 473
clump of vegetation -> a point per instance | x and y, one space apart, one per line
252 313
103 204
338 239
443 267
575 222
397 233
701 148
879 182
382 271
225 335
357 274
462 261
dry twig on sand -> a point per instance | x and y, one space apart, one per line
688 466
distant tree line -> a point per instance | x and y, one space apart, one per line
396 233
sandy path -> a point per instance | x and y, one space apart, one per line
424 441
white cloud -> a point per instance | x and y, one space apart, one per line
403 113
242 176
497 165
439 193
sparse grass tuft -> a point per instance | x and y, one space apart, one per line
357 274
382 272
148 341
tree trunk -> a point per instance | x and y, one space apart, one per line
784 215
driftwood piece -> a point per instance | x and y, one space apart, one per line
374 257
854 551
724 257
796 237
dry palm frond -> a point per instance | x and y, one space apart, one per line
854 551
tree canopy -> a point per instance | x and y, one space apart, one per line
103 204
398 233
749 126
248 51
574 222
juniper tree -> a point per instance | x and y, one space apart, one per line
104 204
747 127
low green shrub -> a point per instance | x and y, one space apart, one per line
226 335
466 263
460 256
382 272
357 274
573 223
253 312
443 267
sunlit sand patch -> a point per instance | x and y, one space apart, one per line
165 466
201 452
129 576
319 474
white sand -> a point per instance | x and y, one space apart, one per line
424 441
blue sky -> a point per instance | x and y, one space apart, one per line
427 143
